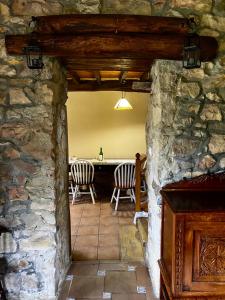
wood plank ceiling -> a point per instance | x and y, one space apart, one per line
109 52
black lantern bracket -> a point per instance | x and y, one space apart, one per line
33 55
191 49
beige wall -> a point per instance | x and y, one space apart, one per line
93 123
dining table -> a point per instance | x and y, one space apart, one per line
104 172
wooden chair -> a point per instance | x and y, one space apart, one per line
141 205
124 176
83 174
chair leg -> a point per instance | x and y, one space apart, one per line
117 199
129 192
92 194
94 191
74 194
133 195
113 194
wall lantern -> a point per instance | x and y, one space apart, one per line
191 52
34 56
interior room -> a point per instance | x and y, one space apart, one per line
97 231
66 230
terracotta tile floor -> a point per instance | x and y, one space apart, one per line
107 280
95 228
100 240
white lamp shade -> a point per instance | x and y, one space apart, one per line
122 104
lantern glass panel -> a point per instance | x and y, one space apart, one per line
191 53
34 57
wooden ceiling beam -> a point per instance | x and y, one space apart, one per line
109 85
145 76
142 46
123 76
97 76
109 64
75 77
110 23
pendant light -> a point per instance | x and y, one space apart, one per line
123 103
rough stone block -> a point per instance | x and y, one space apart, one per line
219 7
189 89
214 81
4 10
222 163
141 7
36 8
184 147
17 193
216 127
213 22
209 32
37 242
7 243
213 97
207 162
15 131
217 144
11 153
193 74
12 282
2 44
29 282
36 222
195 5
44 94
211 112
23 167
40 146
7 71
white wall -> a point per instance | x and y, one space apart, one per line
93 123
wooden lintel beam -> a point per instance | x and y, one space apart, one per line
97 76
109 85
112 46
110 23
123 76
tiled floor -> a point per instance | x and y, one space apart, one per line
108 258
107 280
95 229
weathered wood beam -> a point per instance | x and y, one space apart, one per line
123 76
109 85
97 76
110 23
109 64
112 46
75 77
145 76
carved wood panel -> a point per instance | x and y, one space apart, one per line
212 256
209 254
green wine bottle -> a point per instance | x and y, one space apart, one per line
100 156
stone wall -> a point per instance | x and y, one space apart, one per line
185 127
33 168
185 133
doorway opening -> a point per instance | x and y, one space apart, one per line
98 232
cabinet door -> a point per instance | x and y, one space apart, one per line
204 257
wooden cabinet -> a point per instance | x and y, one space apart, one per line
192 260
